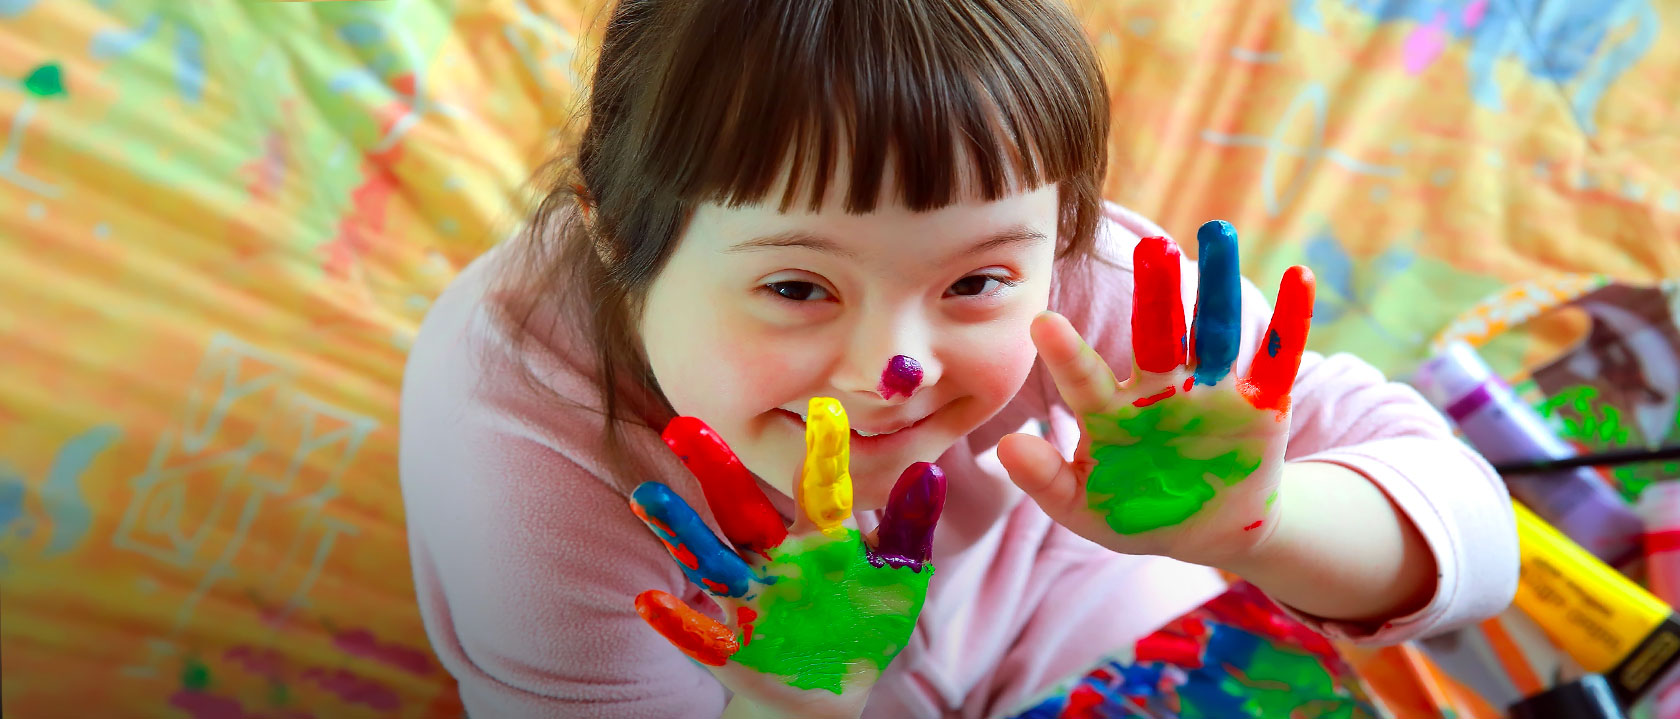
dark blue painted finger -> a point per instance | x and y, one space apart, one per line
1218 323
703 557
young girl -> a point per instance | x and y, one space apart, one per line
787 216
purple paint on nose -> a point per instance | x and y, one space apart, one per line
902 376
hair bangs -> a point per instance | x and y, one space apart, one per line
966 100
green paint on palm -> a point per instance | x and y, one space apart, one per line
1156 466
830 611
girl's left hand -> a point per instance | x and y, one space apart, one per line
1183 459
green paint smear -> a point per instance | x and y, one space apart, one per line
830 611
45 81
1154 464
1282 683
195 675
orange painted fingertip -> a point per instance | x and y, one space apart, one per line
704 639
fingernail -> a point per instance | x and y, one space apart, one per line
906 534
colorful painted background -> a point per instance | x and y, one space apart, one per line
221 223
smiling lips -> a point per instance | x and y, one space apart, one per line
867 434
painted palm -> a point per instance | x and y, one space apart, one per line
1184 458
814 608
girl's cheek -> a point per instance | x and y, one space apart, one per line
997 363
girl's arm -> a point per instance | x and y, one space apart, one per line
1389 526
1341 549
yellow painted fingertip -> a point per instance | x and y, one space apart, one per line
826 485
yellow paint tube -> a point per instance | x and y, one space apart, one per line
1603 620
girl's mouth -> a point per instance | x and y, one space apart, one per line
872 442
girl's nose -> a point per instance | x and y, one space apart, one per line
903 376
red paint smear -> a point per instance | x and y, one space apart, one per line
1083 703
1170 648
745 514
1152 399
714 585
364 224
1255 525
1188 383
1158 308
354 689
261 662
1246 607
363 644
682 553
744 616
1667 541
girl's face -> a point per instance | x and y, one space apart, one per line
757 312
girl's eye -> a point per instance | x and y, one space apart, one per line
797 291
975 285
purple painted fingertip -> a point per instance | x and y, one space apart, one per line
905 538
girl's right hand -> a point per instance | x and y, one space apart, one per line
815 612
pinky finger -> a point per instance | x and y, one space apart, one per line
1272 374
697 635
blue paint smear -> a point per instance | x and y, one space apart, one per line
14 8
361 33
62 493
111 44
189 63
12 493
1218 301
1558 42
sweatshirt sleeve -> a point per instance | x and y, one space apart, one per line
521 604
526 557
1345 412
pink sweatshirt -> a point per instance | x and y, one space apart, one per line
527 558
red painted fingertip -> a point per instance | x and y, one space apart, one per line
697 635
1272 374
1158 338
743 512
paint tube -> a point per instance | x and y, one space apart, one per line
1504 429
1602 619
1586 698
1659 506
1502 659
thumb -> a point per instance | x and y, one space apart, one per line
1039 470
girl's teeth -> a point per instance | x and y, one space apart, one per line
806 416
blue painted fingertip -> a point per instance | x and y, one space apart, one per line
702 556
1218 301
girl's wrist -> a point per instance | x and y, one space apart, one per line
740 707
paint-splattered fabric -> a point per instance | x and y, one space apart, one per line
528 563
221 224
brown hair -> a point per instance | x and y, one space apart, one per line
707 100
